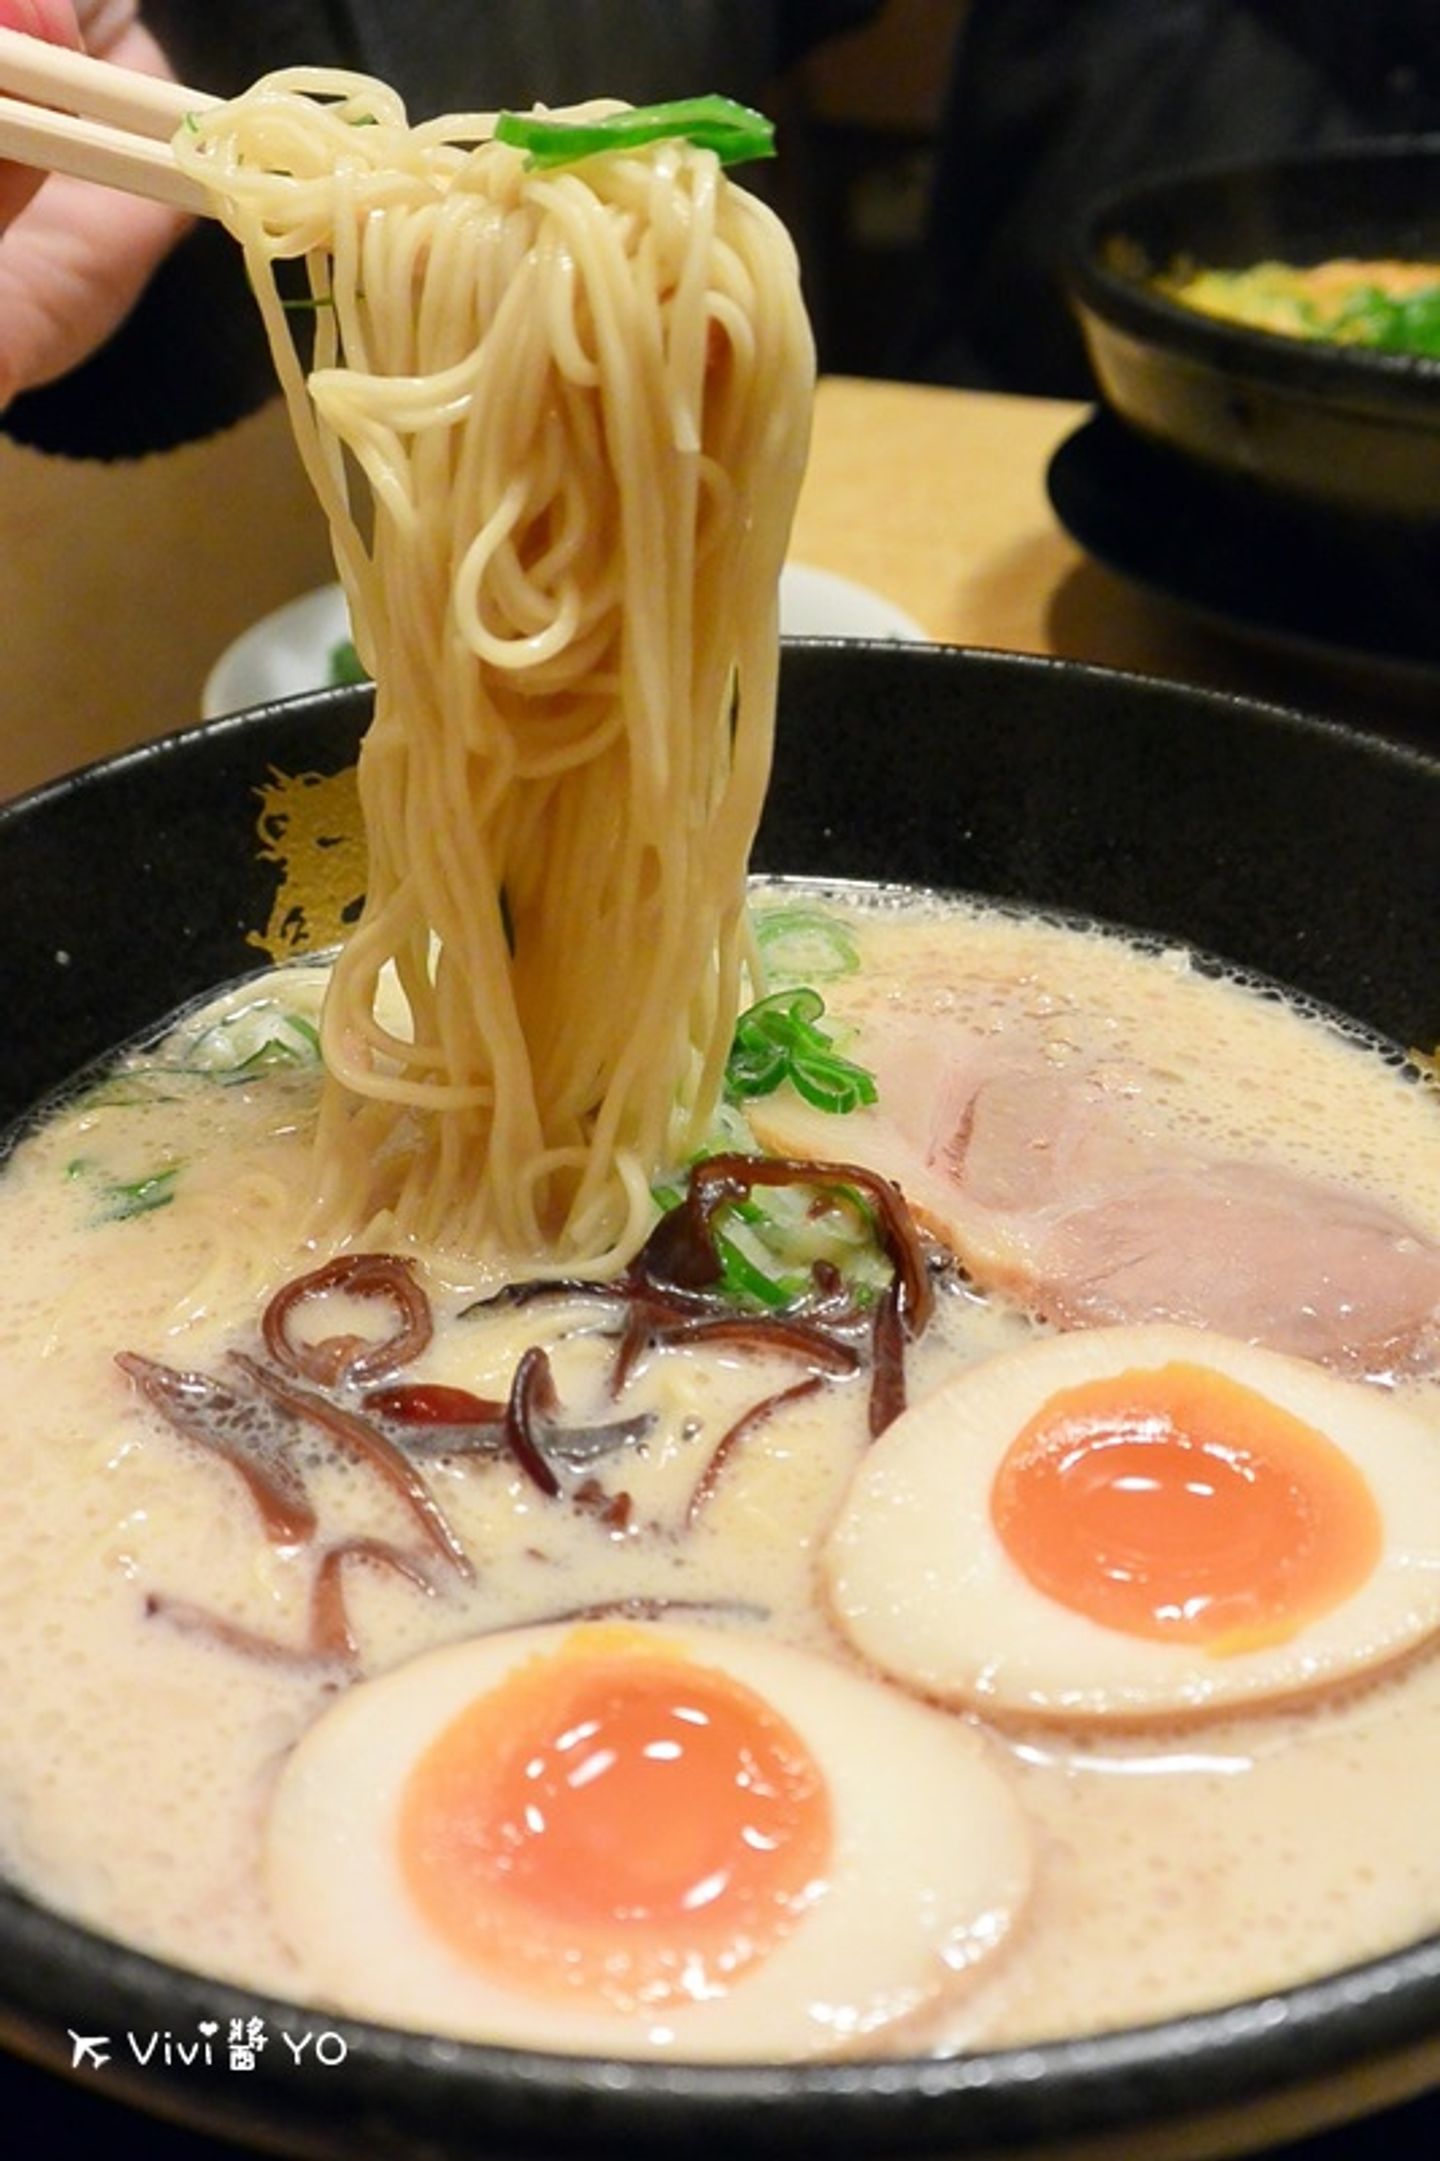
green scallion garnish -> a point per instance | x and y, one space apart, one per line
117 1200
733 132
803 945
344 664
779 1039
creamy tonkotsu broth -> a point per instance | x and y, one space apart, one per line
1174 1866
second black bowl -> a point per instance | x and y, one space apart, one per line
1338 427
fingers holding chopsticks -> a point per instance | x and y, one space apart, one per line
56 22
74 256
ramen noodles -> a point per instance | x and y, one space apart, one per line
556 415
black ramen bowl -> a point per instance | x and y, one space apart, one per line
1339 427
1282 845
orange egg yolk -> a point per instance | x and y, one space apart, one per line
630 1826
1179 1504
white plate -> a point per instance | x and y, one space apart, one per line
821 604
289 651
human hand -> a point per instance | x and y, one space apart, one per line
74 257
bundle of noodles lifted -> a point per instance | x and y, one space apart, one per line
557 418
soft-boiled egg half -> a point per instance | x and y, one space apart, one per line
1140 1523
633 1839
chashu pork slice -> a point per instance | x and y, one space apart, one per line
1069 1201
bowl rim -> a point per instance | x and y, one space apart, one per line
1394 386
917 653
1265 2045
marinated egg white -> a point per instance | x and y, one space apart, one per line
643 1840
1134 1523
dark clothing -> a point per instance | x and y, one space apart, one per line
1055 103
191 357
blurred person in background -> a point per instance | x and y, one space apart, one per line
1055 103
125 328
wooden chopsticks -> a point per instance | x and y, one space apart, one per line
71 114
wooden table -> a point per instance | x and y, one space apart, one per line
937 498
123 582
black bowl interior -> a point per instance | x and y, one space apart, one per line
1355 430
1282 845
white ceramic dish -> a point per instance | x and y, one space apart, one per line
288 651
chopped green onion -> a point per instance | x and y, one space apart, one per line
743 1278
259 1039
307 1031
345 665
768 1247
1392 323
253 1044
832 1084
141 1196
301 1050
757 1069
732 131
801 1006
778 1040
118 1200
801 945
